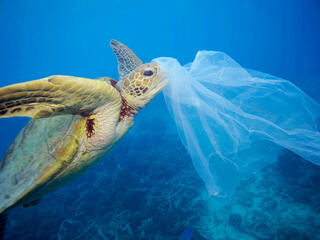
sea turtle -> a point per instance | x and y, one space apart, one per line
75 122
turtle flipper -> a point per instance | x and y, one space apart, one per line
55 95
127 60
32 203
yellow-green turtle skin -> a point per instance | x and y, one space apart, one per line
23 168
50 152
83 119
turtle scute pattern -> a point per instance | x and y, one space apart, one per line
141 80
136 85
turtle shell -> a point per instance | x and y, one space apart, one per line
41 150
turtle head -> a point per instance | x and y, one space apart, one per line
138 83
141 85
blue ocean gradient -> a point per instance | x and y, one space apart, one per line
40 38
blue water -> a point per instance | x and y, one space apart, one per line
146 187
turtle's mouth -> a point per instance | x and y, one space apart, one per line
161 83
163 80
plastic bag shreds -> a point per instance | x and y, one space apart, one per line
235 121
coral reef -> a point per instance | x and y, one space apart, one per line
147 188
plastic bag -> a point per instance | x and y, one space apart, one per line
235 121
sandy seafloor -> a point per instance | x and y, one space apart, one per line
146 187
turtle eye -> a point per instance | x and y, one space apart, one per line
147 73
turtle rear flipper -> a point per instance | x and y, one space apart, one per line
55 95
32 203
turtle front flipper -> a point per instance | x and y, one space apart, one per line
55 95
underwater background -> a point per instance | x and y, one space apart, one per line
146 187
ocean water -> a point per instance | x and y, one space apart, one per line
146 187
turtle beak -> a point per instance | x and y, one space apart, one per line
163 80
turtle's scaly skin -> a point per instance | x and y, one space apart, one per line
55 95
22 174
50 152
63 150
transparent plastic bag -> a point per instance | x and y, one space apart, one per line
235 121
